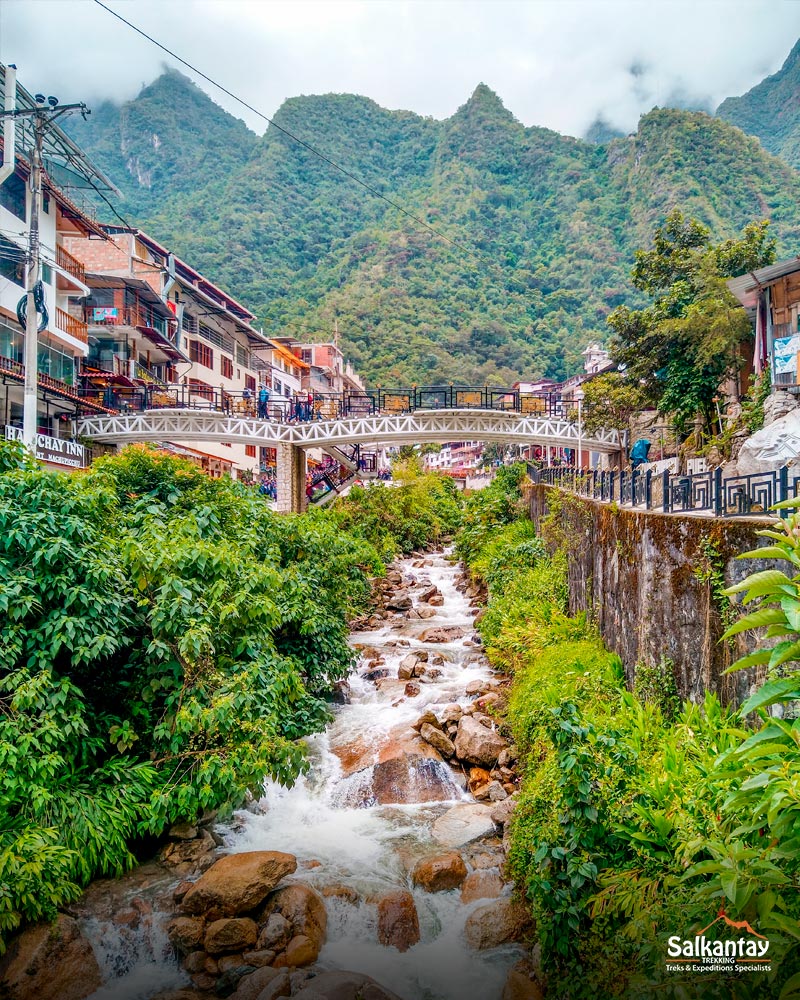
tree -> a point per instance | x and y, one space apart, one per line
683 347
610 400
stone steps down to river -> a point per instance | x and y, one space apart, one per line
378 876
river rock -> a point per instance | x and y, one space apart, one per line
376 674
251 986
436 601
475 687
186 855
300 951
238 883
521 985
477 780
427 613
451 712
399 601
427 718
442 633
275 933
496 792
496 923
406 667
428 592
182 831
258 959
503 811
49 962
398 923
410 778
304 909
230 934
336 985
462 824
438 740
481 884
412 689
440 873
186 933
477 744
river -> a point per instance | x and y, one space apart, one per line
363 815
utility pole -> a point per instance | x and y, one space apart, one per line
29 399
41 117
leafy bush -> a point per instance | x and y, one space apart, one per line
164 641
417 514
639 818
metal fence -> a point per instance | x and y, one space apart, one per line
325 406
705 492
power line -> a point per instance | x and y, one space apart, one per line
337 166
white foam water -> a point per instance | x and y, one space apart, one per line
330 817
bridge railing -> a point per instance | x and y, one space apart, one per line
198 395
703 492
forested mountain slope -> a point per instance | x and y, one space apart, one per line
771 110
544 225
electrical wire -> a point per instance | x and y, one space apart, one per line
306 145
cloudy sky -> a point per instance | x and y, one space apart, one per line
557 63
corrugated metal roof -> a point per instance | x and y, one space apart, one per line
747 286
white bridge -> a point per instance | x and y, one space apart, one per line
290 440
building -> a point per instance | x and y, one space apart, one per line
771 296
158 327
63 342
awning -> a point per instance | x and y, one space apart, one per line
172 351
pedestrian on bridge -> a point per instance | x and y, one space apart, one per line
263 402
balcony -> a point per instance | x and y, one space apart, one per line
134 316
70 325
70 264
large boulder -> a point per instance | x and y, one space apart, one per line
497 923
398 922
406 779
481 884
442 633
238 883
476 744
49 962
775 445
186 933
399 601
462 824
252 986
437 739
337 985
304 910
441 872
230 934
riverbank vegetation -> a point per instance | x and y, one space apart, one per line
164 641
638 819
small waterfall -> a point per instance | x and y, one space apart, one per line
136 960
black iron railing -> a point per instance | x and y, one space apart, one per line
700 492
330 406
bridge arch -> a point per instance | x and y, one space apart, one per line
291 440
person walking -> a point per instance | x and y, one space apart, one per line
263 402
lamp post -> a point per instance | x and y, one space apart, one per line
578 397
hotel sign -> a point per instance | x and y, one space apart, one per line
57 451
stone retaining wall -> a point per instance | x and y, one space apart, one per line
651 581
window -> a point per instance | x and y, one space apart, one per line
200 388
250 450
307 355
12 261
250 382
201 353
12 195
226 366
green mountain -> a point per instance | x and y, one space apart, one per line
539 229
169 140
771 110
